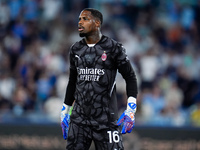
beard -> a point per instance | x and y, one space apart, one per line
83 34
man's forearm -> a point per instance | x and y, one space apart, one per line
69 95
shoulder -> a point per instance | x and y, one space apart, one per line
109 42
78 45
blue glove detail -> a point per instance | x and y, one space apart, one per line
65 125
63 108
128 119
132 105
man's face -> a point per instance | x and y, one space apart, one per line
87 24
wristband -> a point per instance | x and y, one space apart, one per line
66 109
131 103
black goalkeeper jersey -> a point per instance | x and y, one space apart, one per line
92 82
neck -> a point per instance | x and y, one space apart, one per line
93 39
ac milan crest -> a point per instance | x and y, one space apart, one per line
104 56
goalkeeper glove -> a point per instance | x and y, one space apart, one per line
128 116
65 119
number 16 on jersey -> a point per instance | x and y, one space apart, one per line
113 136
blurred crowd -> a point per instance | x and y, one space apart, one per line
162 40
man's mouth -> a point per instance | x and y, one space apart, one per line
80 28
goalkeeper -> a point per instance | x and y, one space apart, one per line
94 62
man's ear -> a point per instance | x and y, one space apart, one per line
98 23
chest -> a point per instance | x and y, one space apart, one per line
94 57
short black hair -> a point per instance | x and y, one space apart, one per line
95 13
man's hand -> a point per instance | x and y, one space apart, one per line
65 119
128 116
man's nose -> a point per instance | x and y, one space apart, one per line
80 22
